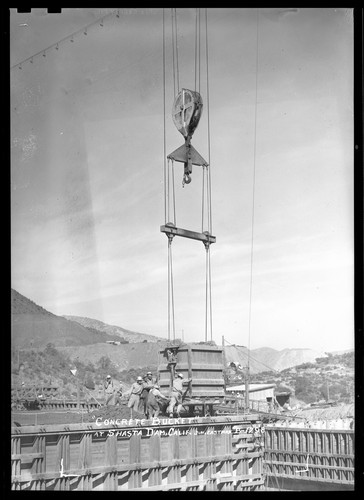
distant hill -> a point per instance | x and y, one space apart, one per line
125 356
34 326
128 335
23 305
140 354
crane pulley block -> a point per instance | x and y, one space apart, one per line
187 152
186 114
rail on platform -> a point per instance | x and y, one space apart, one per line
325 455
216 453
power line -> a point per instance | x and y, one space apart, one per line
252 357
68 37
254 169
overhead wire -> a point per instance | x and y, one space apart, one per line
252 357
253 187
64 39
164 118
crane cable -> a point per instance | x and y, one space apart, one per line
208 193
175 50
169 184
253 202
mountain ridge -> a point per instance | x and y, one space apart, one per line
128 335
35 327
32 326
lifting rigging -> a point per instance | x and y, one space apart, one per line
186 114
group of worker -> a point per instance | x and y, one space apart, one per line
145 396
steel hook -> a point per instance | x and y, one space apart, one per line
186 179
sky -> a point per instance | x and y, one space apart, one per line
87 171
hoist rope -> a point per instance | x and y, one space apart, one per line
210 295
199 50
208 125
173 196
167 190
173 60
169 184
208 171
196 51
203 197
206 295
164 121
170 292
253 203
175 50
176 31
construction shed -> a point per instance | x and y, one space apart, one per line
257 392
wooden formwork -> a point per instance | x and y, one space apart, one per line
325 455
215 453
203 363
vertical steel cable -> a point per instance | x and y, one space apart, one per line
173 61
253 208
199 50
164 123
206 291
169 291
167 192
196 51
208 124
203 197
171 286
208 169
210 296
176 32
173 196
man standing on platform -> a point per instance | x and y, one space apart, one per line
147 386
109 391
135 392
177 393
119 394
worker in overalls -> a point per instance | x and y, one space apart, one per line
109 391
119 394
154 401
177 393
135 392
148 384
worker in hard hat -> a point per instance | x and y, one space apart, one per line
177 393
135 392
148 384
109 390
154 401
119 394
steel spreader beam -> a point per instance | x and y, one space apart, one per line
205 237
